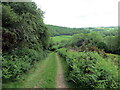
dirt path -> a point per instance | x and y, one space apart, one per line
60 82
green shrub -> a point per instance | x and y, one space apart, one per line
18 62
89 69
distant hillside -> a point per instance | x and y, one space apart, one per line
59 30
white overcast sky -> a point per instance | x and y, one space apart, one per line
80 13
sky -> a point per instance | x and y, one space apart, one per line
79 13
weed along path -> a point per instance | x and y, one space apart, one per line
46 73
60 82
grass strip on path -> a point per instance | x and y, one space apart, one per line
42 75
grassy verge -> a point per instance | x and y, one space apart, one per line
42 75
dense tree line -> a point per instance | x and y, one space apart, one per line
25 37
59 30
108 43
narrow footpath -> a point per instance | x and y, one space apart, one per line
60 81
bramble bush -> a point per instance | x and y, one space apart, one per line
90 70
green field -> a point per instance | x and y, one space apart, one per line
60 38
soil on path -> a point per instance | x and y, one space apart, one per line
60 82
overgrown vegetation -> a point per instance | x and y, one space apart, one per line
89 63
91 54
41 75
90 70
25 38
